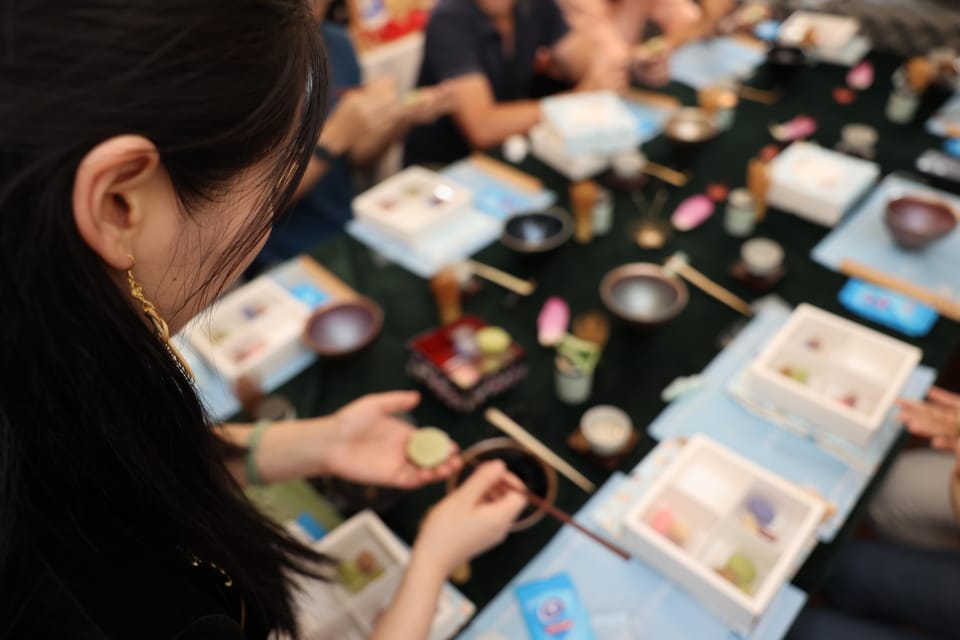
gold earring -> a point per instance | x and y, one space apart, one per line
149 310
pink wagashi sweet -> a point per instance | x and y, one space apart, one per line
796 129
692 212
553 321
861 76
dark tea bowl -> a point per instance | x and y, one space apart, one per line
915 222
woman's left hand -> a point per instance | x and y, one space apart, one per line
365 442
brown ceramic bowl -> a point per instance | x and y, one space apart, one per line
643 295
344 327
537 475
690 127
915 221
537 231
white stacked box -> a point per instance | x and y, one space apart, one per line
709 491
837 375
596 123
818 184
412 203
251 331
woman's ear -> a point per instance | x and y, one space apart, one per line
111 196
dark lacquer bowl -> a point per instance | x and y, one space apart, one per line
343 328
915 221
643 295
538 476
537 231
784 61
690 127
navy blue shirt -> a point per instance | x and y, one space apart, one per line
461 40
323 211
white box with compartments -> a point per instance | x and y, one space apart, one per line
840 377
251 331
332 611
412 203
726 530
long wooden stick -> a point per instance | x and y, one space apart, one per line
944 306
708 286
668 175
507 281
505 172
566 518
503 422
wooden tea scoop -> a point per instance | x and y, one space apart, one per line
677 263
510 282
503 422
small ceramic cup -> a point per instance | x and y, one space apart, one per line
761 256
607 429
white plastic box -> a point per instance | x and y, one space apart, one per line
595 123
708 489
411 203
818 184
837 375
326 610
250 331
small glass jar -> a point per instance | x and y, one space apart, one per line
574 386
740 218
902 105
603 212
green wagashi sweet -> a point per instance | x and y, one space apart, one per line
740 566
429 447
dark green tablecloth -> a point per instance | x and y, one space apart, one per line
636 366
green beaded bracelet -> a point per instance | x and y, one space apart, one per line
253 474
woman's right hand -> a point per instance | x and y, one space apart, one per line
937 419
471 520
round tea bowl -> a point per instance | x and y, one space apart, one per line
536 232
915 222
643 295
343 328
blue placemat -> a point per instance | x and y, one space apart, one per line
459 238
215 392
863 237
705 62
625 600
495 197
494 201
837 471
946 118
650 119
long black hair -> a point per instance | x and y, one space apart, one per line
93 410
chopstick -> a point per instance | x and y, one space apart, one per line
759 95
503 422
668 175
502 278
679 265
565 518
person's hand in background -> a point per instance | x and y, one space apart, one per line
650 64
359 114
428 104
938 418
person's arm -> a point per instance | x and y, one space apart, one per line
363 442
483 121
467 522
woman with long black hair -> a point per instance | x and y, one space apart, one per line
145 150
